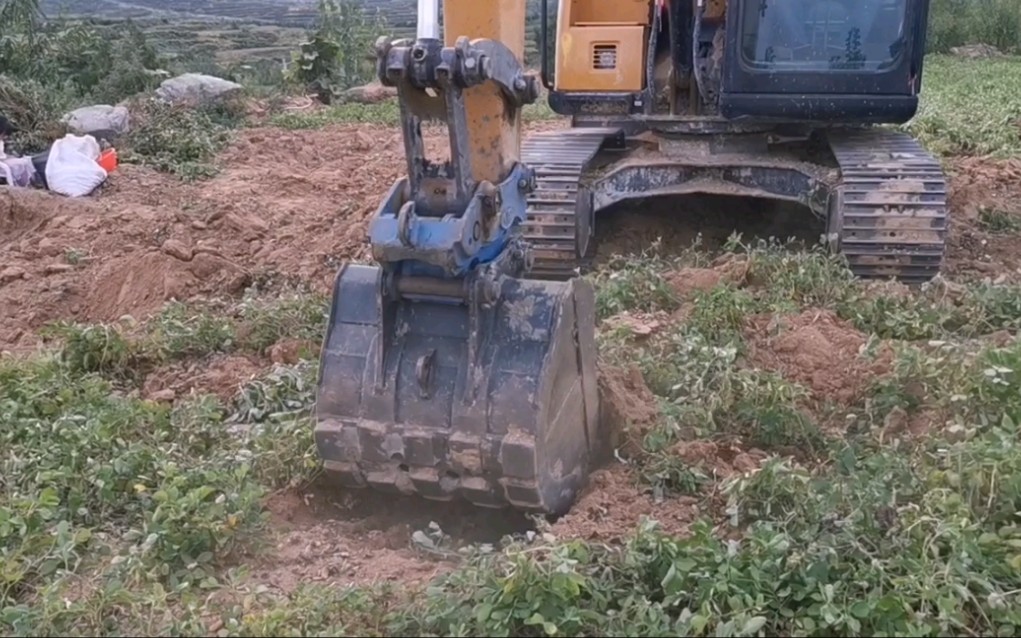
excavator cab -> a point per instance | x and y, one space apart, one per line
841 61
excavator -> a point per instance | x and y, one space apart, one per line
462 363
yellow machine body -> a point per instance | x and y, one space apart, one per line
602 45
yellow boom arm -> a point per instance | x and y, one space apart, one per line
494 135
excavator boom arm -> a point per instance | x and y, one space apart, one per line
446 371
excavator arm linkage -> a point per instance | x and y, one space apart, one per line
446 372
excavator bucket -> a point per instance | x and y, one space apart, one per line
490 396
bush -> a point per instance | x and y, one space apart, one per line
338 53
956 22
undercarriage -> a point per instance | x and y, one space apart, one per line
881 196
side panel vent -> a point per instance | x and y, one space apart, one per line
604 57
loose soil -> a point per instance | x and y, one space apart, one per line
816 349
995 185
294 206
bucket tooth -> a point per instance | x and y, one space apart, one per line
496 404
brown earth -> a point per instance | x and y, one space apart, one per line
221 375
294 205
613 505
816 349
993 184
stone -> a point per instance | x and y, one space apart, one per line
100 121
196 88
177 249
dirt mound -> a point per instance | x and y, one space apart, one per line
727 269
816 349
23 211
291 203
141 284
613 505
977 185
628 407
675 225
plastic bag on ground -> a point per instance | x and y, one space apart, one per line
16 171
72 169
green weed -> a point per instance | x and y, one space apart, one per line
998 221
946 121
182 140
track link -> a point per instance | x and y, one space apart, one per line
891 216
558 225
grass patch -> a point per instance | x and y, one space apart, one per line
182 140
383 113
997 221
124 351
948 122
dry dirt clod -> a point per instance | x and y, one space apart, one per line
11 273
48 247
177 249
165 395
54 269
289 351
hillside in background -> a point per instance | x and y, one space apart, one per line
399 13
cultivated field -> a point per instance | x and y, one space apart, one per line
800 453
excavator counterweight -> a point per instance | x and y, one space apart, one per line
462 364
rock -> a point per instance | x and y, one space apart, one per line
11 273
100 121
975 51
250 226
372 93
177 249
199 225
48 247
53 269
196 88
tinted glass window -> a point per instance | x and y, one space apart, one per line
816 35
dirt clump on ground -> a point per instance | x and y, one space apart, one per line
976 51
727 269
613 505
220 375
913 425
815 349
628 408
339 537
719 460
